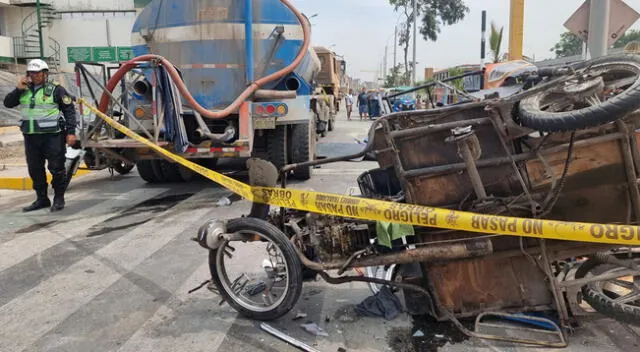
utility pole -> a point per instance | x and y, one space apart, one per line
516 29
40 29
395 56
415 41
483 39
385 62
599 27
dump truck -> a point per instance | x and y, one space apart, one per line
332 70
218 48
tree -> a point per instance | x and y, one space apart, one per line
570 44
434 14
395 75
458 83
495 41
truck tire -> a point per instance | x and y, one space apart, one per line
269 233
170 171
149 170
532 116
301 150
123 168
186 174
594 294
277 142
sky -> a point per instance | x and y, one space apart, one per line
360 29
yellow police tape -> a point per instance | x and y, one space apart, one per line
370 209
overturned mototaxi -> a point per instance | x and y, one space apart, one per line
563 149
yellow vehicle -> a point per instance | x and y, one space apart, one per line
332 69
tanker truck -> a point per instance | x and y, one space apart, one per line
197 86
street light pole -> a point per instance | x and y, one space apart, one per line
598 28
385 62
415 41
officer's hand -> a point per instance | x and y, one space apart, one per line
22 83
71 139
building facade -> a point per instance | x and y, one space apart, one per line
82 30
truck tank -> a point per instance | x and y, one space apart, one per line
205 40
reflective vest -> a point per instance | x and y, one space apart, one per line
39 112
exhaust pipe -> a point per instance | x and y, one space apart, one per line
434 253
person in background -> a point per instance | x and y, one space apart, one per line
419 102
348 101
48 120
363 103
374 107
382 110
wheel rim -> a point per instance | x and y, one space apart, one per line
623 290
379 272
261 289
590 88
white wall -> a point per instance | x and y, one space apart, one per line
92 5
6 46
13 17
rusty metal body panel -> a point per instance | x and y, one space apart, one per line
422 149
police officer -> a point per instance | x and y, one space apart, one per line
48 120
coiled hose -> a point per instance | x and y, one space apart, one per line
175 76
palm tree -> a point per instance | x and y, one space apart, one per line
495 40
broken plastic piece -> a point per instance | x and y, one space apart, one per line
300 315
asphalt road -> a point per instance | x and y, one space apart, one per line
111 273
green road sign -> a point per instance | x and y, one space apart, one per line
78 53
104 54
125 53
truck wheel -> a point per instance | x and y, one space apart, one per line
170 171
123 168
186 174
149 170
277 146
301 150
209 163
260 278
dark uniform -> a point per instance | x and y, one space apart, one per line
48 115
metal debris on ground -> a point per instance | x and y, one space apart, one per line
314 329
286 338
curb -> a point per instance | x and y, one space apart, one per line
26 184
10 129
11 144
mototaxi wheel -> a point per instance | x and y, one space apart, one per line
618 298
260 278
603 90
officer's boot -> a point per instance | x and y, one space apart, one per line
42 201
59 186
58 200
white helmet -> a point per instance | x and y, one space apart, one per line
37 65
